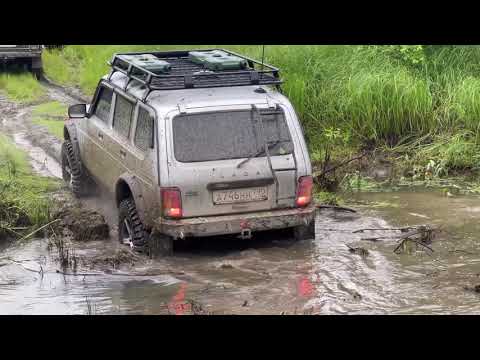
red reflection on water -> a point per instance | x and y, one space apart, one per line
305 287
177 304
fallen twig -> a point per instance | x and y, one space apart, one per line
360 251
384 229
26 268
37 230
333 207
333 168
407 237
462 251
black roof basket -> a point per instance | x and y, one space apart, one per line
185 74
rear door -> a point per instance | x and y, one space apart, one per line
207 148
144 155
119 141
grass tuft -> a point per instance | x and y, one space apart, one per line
24 203
21 87
50 115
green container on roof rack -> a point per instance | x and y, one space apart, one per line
217 60
148 62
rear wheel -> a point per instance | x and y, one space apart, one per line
130 229
72 170
305 232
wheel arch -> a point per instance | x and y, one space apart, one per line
127 186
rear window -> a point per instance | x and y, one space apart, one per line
229 135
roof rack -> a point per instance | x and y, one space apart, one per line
184 74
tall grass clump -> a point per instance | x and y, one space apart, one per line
50 115
24 202
388 105
383 94
21 87
465 104
454 152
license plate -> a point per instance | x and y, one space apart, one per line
240 195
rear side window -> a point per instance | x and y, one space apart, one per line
104 103
122 117
144 132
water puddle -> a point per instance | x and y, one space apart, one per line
42 163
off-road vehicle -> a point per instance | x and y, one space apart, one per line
30 56
191 144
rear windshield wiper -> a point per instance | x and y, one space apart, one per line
260 152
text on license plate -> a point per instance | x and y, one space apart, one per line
240 195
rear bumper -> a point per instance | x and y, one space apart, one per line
235 224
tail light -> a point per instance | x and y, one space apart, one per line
304 191
171 202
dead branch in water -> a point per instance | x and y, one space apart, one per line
358 250
338 208
425 234
24 267
404 229
333 168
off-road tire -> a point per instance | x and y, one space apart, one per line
127 212
72 170
304 232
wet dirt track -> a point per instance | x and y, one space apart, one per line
267 275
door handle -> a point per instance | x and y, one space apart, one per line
123 153
100 135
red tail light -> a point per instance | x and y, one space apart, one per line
171 202
304 191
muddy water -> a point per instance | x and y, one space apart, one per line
272 274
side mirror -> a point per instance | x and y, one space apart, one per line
77 111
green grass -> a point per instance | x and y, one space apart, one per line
24 202
53 108
21 87
372 94
50 115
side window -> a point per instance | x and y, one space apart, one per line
104 103
122 116
144 132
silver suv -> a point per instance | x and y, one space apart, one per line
192 145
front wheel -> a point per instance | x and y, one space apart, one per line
72 170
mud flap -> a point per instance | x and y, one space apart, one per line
159 245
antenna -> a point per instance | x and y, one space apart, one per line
263 61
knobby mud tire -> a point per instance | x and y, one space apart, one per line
78 181
139 237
